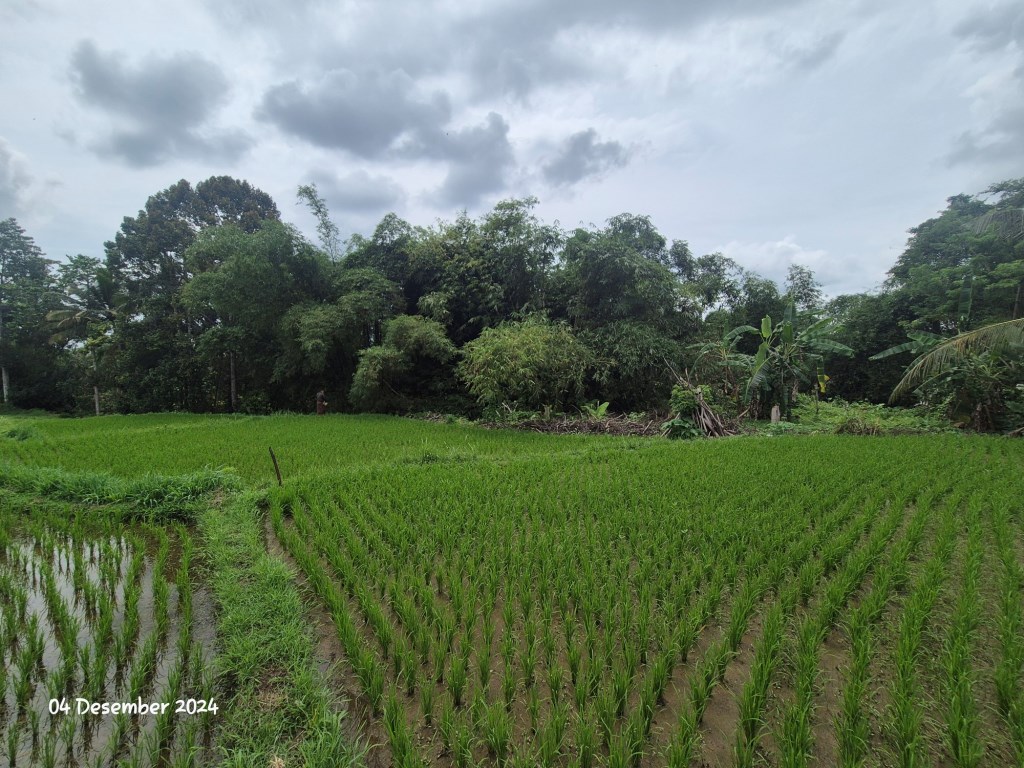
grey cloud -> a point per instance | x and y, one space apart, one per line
261 13
508 49
363 114
166 100
514 62
14 181
993 29
999 143
813 56
183 89
582 155
21 10
479 157
145 148
516 46
359 191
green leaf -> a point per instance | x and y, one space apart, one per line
766 327
827 345
926 337
739 331
899 349
762 354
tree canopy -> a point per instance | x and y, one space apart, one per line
205 301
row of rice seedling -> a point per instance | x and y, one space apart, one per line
792 575
1009 623
75 635
753 699
852 725
962 716
795 735
905 717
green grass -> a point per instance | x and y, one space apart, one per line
178 444
279 706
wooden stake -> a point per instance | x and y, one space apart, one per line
277 469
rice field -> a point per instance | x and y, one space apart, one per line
448 596
94 615
787 603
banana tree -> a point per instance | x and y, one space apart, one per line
786 358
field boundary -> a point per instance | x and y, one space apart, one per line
279 710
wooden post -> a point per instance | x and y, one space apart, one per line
277 469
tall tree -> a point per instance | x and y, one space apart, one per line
802 288
26 294
90 303
258 276
620 273
156 367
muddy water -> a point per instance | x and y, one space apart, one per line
84 564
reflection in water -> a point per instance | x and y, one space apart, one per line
91 616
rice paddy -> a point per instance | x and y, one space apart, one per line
94 615
425 598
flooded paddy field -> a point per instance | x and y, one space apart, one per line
106 645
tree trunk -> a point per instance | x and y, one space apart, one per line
234 385
1016 303
95 386
3 366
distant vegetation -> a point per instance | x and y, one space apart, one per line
206 302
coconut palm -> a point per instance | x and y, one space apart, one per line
1001 339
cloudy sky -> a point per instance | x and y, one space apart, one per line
771 130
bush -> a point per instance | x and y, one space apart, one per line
840 417
528 365
412 363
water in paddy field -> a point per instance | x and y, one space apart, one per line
107 618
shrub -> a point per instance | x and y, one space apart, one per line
527 364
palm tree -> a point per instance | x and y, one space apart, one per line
996 338
93 302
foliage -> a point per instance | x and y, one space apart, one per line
27 293
152 365
633 364
411 364
529 364
596 410
681 428
972 375
205 301
942 355
620 273
802 290
786 358
723 368
838 416
330 238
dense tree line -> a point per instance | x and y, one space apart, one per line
206 301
